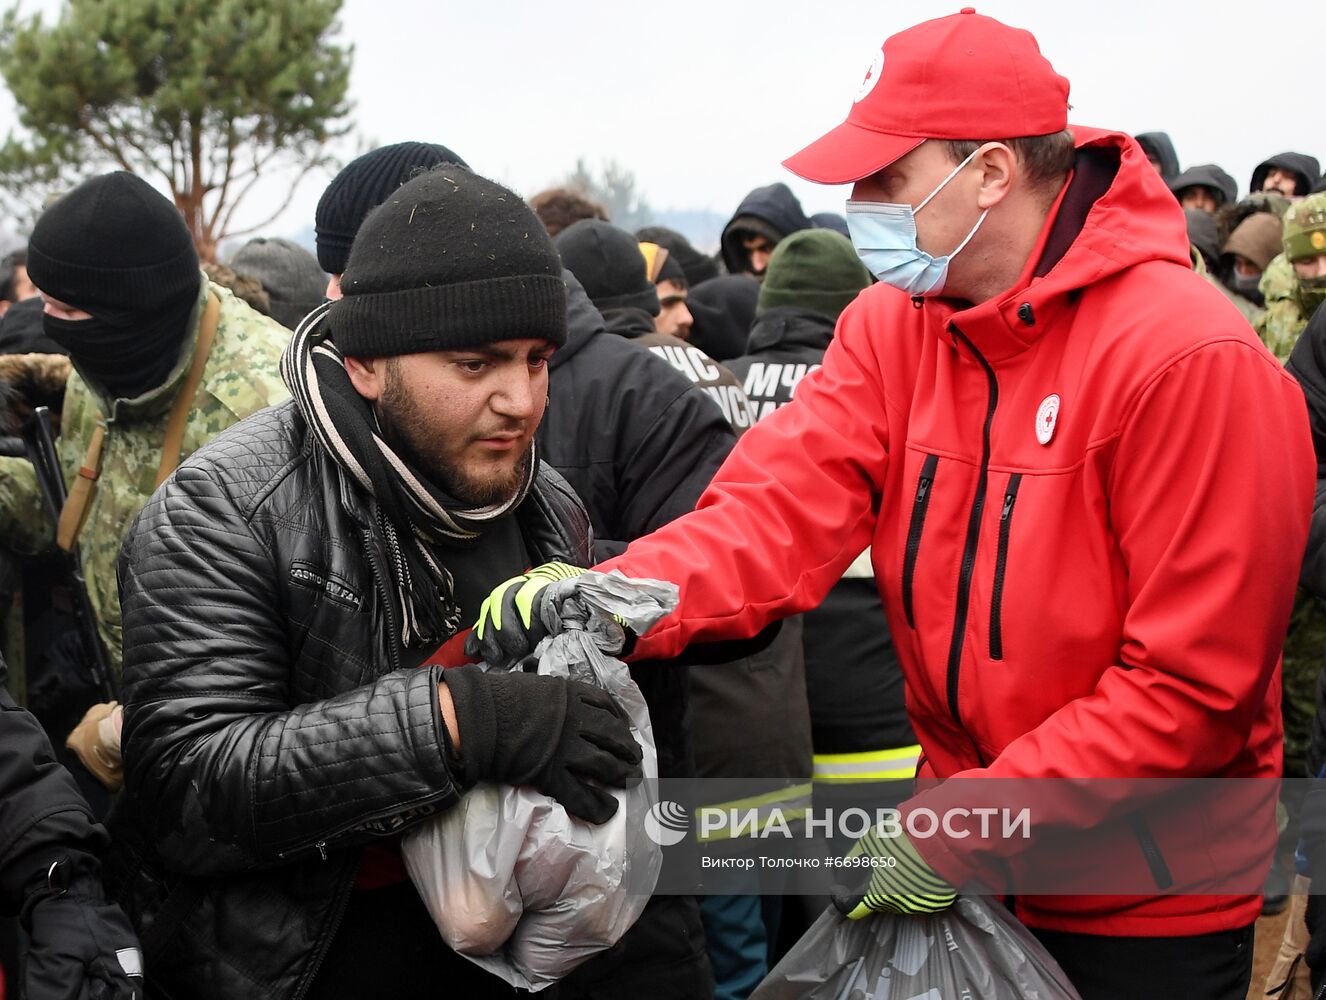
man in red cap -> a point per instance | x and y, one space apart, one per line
1086 488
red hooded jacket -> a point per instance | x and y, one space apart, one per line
1087 502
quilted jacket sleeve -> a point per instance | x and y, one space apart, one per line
223 773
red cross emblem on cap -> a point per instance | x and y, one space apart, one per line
965 76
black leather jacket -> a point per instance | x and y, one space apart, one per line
273 725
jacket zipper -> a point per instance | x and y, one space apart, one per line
1151 851
919 506
343 902
324 946
384 593
973 537
1001 563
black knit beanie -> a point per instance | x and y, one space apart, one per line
449 261
361 186
114 247
698 267
608 262
815 269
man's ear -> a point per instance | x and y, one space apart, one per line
999 166
367 375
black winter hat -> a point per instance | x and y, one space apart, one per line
608 262
697 266
115 247
362 185
449 261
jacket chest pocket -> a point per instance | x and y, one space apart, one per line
915 528
987 581
1001 567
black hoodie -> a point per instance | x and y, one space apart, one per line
773 211
1159 147
723 310
1304 166
1206 175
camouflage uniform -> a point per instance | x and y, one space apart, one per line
1289 305
240 377
1283 320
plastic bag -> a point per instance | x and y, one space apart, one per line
975 949
511 880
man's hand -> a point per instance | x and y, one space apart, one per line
96 741
509 626
891 878
563 737
81 946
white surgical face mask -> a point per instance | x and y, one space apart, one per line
885 239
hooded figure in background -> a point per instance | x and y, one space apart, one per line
1205 186
1290 174
833 221
1250 248
764 217
1203 236
722 311
1159 149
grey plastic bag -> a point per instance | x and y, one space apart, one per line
976 949
513 882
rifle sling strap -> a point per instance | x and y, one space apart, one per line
81 494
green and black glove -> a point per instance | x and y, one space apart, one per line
891 878
509 625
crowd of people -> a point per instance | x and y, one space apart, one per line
1004 472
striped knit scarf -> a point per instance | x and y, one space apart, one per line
411 511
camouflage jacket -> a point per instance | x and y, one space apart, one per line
241 376
1283 320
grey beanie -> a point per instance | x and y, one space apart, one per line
289 274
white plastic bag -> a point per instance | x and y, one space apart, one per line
511 880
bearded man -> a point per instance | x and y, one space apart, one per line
292 593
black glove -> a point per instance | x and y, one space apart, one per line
81 947
558 735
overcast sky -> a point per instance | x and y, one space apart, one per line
702 100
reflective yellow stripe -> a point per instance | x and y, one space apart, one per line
896 764
791 803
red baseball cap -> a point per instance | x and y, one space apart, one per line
965 76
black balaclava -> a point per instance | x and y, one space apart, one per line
115 248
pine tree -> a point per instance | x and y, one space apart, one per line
201 97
